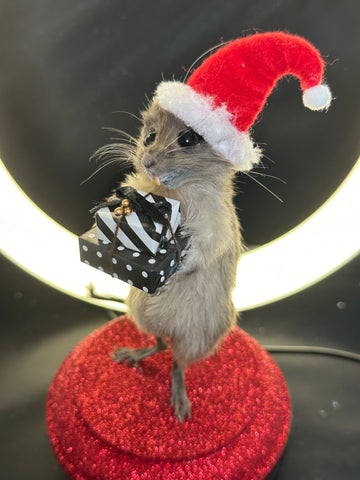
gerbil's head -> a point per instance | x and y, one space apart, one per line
220 100
173 154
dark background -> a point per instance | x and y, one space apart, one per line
65 68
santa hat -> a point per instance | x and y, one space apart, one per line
225 94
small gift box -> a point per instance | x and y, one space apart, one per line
148 227
137 238
142 270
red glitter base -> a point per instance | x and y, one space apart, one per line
109 421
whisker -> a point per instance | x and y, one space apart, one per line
268 158
175 149
115 158
173 142
115 150
105 164
169 145
269 176
121 132
264 186
202 56
128 113
129 146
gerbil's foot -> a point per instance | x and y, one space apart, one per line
179 399
182 406
135 355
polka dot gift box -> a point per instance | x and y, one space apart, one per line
134 239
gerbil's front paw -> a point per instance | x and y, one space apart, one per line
190 272
182 406
187 269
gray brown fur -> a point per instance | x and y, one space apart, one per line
194 308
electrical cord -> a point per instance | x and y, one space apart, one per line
334 352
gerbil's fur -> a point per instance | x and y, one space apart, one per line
194 308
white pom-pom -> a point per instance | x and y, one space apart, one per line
317 98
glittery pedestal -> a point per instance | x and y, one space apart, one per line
110 421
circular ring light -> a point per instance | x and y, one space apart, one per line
316 248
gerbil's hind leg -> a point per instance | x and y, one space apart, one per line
179 398
134 355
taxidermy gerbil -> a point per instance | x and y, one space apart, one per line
194 138
194 308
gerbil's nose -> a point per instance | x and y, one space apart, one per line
148 161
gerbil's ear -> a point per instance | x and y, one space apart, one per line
151 111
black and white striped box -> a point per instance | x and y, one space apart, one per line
137 231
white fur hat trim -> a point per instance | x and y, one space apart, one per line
211 122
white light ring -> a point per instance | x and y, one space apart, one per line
317 247
313 250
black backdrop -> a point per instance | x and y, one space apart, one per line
65 67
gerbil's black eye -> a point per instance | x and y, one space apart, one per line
149 139
189 138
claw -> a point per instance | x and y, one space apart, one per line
182 407
179 399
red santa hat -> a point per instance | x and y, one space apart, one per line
225 94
